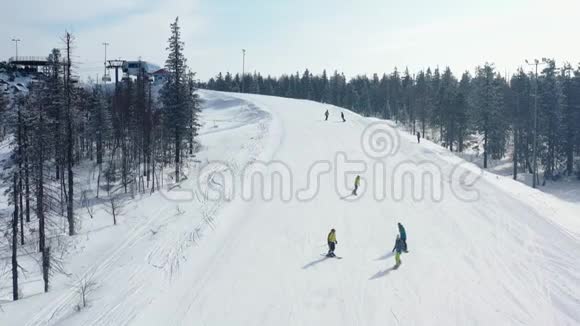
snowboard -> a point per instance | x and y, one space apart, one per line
337 257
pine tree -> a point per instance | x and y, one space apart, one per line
421 99
551 103
220 83
407 88
446 116
394 96
101 122
306 85
521 119
487 102
462 110
324 95
571 114
177 97
435 100
375 97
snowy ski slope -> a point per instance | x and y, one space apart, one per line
484 250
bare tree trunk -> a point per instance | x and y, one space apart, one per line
570 154
99 146
45 267
191 137
515 158
40 199
99 181
21 210
177 154
153 168
20 155
15 244
485 148
27 179
423 127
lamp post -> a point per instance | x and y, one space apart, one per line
243 68
16 40
535 156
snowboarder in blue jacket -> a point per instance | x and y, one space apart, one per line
403 235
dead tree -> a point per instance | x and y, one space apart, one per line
85 286
115 207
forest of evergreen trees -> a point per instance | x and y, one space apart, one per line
126 134
487 104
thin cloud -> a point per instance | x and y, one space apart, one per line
348 37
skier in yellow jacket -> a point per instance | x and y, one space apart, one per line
356 184
331 243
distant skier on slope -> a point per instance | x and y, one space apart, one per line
403 235
398 248
418 137
356 184
326 115
342 116
331 243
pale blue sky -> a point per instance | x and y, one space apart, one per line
363 36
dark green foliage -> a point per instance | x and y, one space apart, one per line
455 113
179 102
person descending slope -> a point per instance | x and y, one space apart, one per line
398 248
418 136
331 243
342 116
403 235
356 184
326 115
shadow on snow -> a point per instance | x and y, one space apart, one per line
383 273
386 256
315 262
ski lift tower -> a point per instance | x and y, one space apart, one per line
106 78
116 64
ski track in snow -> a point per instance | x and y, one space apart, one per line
505 259
129 297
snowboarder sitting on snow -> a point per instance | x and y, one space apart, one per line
403 235
342 116
398 247
331 243
326 115
356 184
